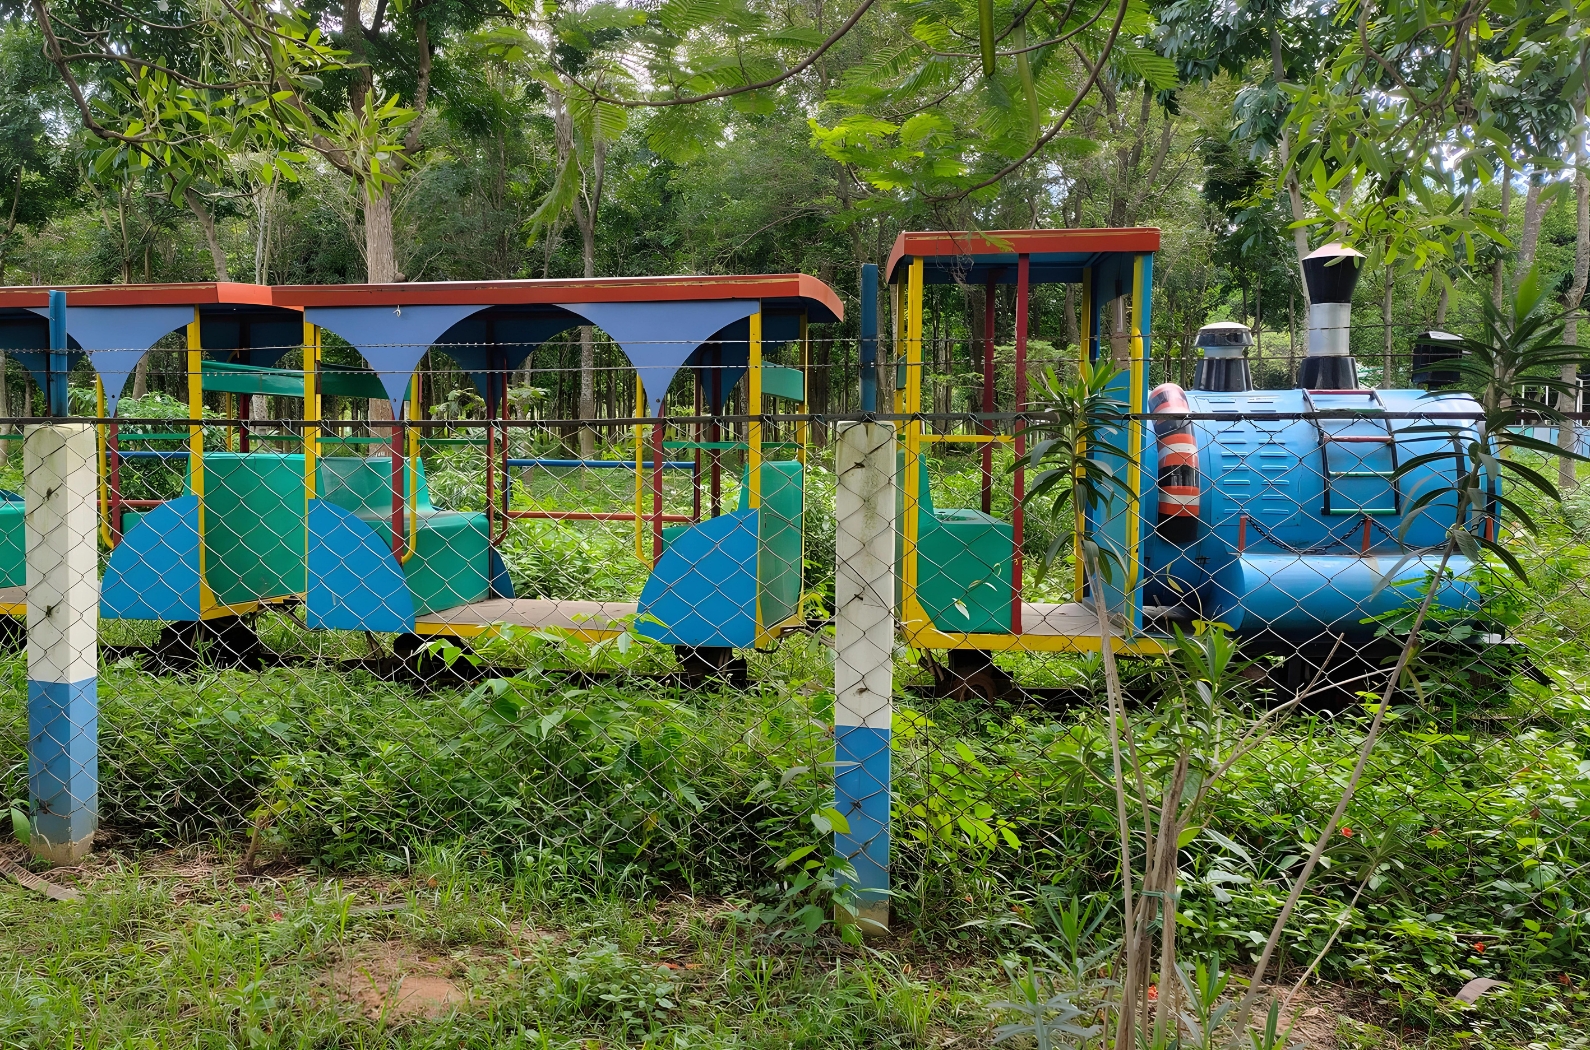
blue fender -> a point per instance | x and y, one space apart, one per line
355 584
703 588
153 574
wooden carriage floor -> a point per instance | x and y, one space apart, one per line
531 613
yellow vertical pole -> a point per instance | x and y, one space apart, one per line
753 442
1083 355
196 449
897 311
802 426
753 408
104 463
640 468
311 408
1134 430
911 405
413 434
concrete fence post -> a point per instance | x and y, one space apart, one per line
61 489
864 657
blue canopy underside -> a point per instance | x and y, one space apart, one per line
115 338
658 338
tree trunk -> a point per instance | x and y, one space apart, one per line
207 223
380 260
1499 267
264 202
585 215
141 377
1534 211
380 410
1294 192
1385 327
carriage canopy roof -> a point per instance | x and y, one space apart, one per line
1054 256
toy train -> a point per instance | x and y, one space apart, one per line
1277 512
1284 514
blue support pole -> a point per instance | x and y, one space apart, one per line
61 488
869 337
56 393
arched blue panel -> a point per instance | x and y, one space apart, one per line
501 582
392 339
354 582
153 574
703 588
723 359
493 344
659 337
115 339
263 339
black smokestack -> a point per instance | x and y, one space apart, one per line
1331 273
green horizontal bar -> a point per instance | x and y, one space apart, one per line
11 437
722 446
150 437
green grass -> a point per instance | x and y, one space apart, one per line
186 954
628 819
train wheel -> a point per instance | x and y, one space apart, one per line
227 641
433 668
970 674
699 665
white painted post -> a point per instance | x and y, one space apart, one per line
61 488
864 657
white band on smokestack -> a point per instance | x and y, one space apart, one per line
1331 272
1329 325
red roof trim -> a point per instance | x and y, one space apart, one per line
962 243
197 293
797 286
572 290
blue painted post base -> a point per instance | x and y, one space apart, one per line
861 783
63 768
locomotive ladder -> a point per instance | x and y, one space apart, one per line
1347 432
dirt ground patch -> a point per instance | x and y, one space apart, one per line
392 982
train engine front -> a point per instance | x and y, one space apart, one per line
1281 513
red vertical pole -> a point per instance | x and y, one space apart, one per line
695 474
1019 440
988 393
397 484
714 434
491 456
657 485
507 446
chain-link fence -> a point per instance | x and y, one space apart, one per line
694 649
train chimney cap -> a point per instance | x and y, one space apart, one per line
1333 250
1224 339
1331 273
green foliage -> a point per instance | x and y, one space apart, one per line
1081 429
1517 365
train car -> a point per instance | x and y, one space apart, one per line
1279 513
354 540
